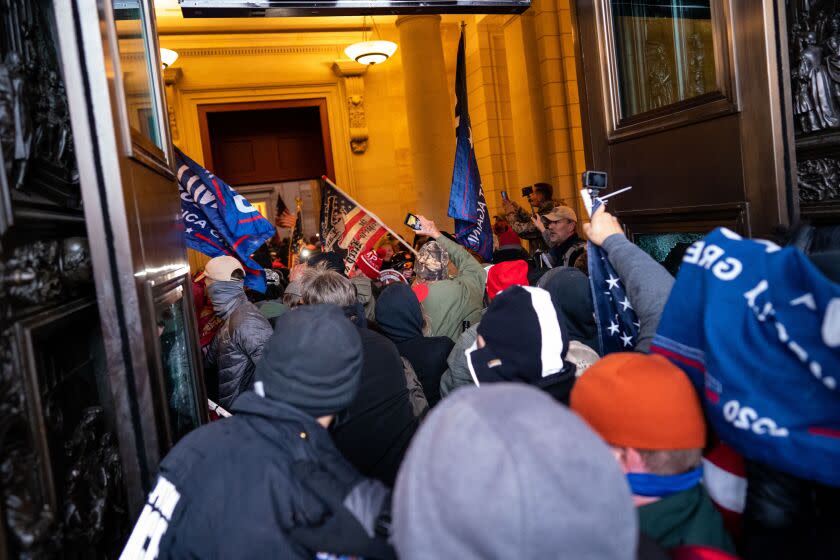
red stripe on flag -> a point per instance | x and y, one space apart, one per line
373 240
240 240
820 431
254 219
357 217
678 357
218 191
205 238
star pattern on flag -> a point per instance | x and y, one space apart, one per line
618 325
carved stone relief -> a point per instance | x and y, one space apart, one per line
353 73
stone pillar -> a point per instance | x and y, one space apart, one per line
431 120
526 101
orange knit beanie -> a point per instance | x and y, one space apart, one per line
640 401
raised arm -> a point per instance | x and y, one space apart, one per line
470 273
648 284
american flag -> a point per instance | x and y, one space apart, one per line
297 234
283 218
618 325
346 225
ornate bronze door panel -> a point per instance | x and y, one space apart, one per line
100 371
678 102
813 42
61 476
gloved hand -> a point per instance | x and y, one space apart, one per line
355 519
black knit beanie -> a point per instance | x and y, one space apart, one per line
312 361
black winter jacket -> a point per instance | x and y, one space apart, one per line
400 317
237 346
261 484
375 431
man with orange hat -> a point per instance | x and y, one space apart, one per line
648 412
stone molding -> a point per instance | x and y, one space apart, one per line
260 50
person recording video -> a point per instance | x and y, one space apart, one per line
540 199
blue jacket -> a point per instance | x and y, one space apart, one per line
264 483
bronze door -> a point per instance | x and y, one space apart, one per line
682 100
111 58
100 365
62 481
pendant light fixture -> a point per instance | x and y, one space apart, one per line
370 52
167 57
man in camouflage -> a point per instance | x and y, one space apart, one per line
520 219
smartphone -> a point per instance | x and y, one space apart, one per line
504 195
527 190
595 180
412 221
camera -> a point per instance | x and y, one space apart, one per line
595 180
527 190
504 195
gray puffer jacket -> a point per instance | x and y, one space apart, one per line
238 344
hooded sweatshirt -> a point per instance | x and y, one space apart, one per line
571 293
400 317
374 432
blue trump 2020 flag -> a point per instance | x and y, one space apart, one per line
219 221
467 204
618 325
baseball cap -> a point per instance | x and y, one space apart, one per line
561 213
221 268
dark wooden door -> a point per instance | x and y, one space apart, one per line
683 101
267 142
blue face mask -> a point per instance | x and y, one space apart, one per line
659 485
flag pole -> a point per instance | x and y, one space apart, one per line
372 215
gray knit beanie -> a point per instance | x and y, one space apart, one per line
503 471
312 361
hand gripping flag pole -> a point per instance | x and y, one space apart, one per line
616 321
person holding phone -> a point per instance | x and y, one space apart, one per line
540 200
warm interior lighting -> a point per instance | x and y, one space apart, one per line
168 57
370 52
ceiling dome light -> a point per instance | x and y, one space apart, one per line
167 57
371 52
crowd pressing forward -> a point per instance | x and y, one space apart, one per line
441 408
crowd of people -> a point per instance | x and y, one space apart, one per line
438 407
